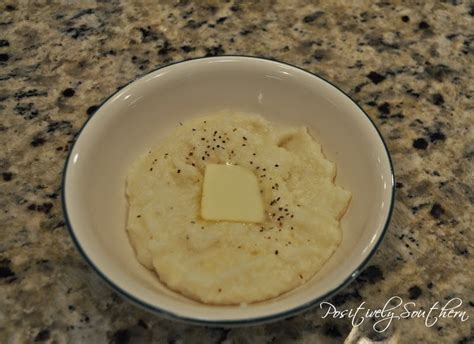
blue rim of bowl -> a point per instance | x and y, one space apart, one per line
227 323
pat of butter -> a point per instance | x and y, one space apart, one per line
231 193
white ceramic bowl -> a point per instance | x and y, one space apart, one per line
136 117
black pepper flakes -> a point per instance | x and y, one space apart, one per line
276 252
178 171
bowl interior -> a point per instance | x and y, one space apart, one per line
138 116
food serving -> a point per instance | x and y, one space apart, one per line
231 208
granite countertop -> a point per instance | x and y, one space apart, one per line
408 66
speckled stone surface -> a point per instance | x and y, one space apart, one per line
408 64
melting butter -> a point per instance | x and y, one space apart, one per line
231 193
